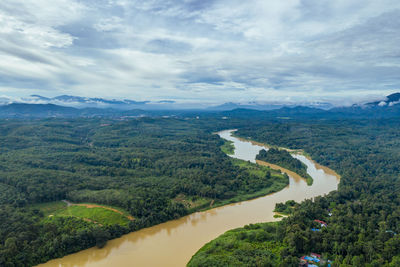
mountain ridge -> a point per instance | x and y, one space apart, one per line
127 104
376 109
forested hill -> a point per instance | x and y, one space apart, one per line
284 159
363 216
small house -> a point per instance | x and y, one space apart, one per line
323 224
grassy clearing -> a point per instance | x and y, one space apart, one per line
96 215
50 208
88 212
228 147
108 207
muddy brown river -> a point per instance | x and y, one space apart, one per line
173 243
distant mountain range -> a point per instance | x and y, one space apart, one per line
126 104
385 108
88 102
259 106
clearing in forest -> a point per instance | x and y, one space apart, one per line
102 215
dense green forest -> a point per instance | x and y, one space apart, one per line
363 216
283 158
149 170
160 169
253 245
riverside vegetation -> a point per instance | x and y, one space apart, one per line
284 159
159 169
125 175
362 216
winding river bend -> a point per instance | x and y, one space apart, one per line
173 243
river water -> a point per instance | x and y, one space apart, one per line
173 243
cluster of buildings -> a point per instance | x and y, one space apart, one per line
314 260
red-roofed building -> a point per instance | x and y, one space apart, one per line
323 224
315 255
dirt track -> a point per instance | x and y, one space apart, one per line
99 206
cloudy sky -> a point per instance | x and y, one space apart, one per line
201 50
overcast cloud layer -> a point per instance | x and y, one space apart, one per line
201 50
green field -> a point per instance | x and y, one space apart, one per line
119 209
96 215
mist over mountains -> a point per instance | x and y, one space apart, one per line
128 104
389 101
74 106
89 102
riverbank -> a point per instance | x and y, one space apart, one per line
293 152
191 232
254 244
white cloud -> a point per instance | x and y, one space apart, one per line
201 49
32 34
109 24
